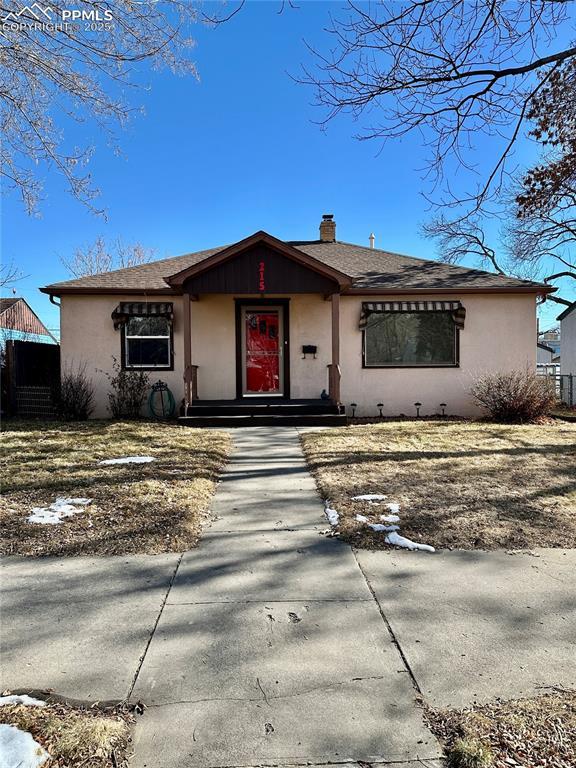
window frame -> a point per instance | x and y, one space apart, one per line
124 348
455 364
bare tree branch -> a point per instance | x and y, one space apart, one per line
9 274
54 68
454 70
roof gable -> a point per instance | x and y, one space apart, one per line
17 315
263 243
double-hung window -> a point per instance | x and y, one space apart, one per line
399 337
147 342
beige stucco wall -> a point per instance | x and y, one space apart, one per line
568 340
483 347
88 335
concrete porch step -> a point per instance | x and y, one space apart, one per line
265 420
264 407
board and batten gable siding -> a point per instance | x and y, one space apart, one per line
259 270
499 335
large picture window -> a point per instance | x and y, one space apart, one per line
147 342
410 339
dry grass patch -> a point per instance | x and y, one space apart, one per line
539 731
148 508
75 736
461 485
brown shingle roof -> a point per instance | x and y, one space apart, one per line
371 270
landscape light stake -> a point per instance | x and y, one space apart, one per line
443 406
418 406
353 406
380 406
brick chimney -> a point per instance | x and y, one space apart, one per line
328 228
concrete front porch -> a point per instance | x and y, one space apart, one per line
263 411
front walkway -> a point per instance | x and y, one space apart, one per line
271 649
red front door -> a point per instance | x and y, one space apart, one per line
262 346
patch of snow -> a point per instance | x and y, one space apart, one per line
332 515
401 541
394 507
362 518
380 527
56 512
19 750
370 497
14 699
390 518
129 460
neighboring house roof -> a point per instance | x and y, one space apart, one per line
548 349
6 304
17 316
366 270
567 311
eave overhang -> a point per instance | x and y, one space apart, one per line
537 289
56 290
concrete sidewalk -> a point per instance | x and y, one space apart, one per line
271 649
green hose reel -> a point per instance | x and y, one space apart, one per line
161 403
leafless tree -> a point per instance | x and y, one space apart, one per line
99 257
456 70
55 68
469 74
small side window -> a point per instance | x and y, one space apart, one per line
147 342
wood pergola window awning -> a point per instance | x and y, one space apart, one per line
455 307
127 309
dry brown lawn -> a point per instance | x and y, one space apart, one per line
460 485
522 733
155 507
76 737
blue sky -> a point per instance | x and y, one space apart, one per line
214 159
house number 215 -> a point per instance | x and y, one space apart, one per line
261 281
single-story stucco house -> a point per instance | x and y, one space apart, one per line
305 325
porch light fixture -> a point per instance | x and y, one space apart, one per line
417 406
443 406
353 406
380 406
